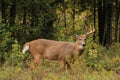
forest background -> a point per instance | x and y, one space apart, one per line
25 20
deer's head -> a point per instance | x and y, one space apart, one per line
81 39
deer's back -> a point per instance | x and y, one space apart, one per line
52 49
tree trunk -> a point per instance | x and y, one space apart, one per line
119 19
12 13
104 23
101 22
94 13
24 15
3 11
34 18
64 12
73 16
108 32
116 20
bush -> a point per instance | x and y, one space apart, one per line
5 43
99 57
16 57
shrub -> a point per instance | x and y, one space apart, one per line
5 43
16 57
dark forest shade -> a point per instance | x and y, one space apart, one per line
105 22
36 18
12 13
3 11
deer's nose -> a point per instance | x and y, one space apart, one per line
84 44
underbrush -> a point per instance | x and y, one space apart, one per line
96 63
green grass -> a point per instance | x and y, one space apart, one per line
51 71
97 63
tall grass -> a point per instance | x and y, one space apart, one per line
96 63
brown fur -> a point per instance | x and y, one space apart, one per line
54 50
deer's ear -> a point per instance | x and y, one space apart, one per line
76 36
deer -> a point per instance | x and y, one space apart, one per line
53 50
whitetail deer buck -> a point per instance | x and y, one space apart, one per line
56 50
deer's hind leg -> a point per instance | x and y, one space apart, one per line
37 61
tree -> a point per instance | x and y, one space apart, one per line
117 14
105 22
64 12
3 11
94 13
108 23
12 13
73 14
101 21
24 15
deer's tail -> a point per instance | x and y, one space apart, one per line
25 47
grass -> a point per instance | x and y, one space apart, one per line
96 63
51 71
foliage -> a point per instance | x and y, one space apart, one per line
16 57
93 64
5 40
34 19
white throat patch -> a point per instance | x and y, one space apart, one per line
80 47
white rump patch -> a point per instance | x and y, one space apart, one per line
26 48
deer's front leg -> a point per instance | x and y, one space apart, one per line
64 65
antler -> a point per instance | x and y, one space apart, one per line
92 29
